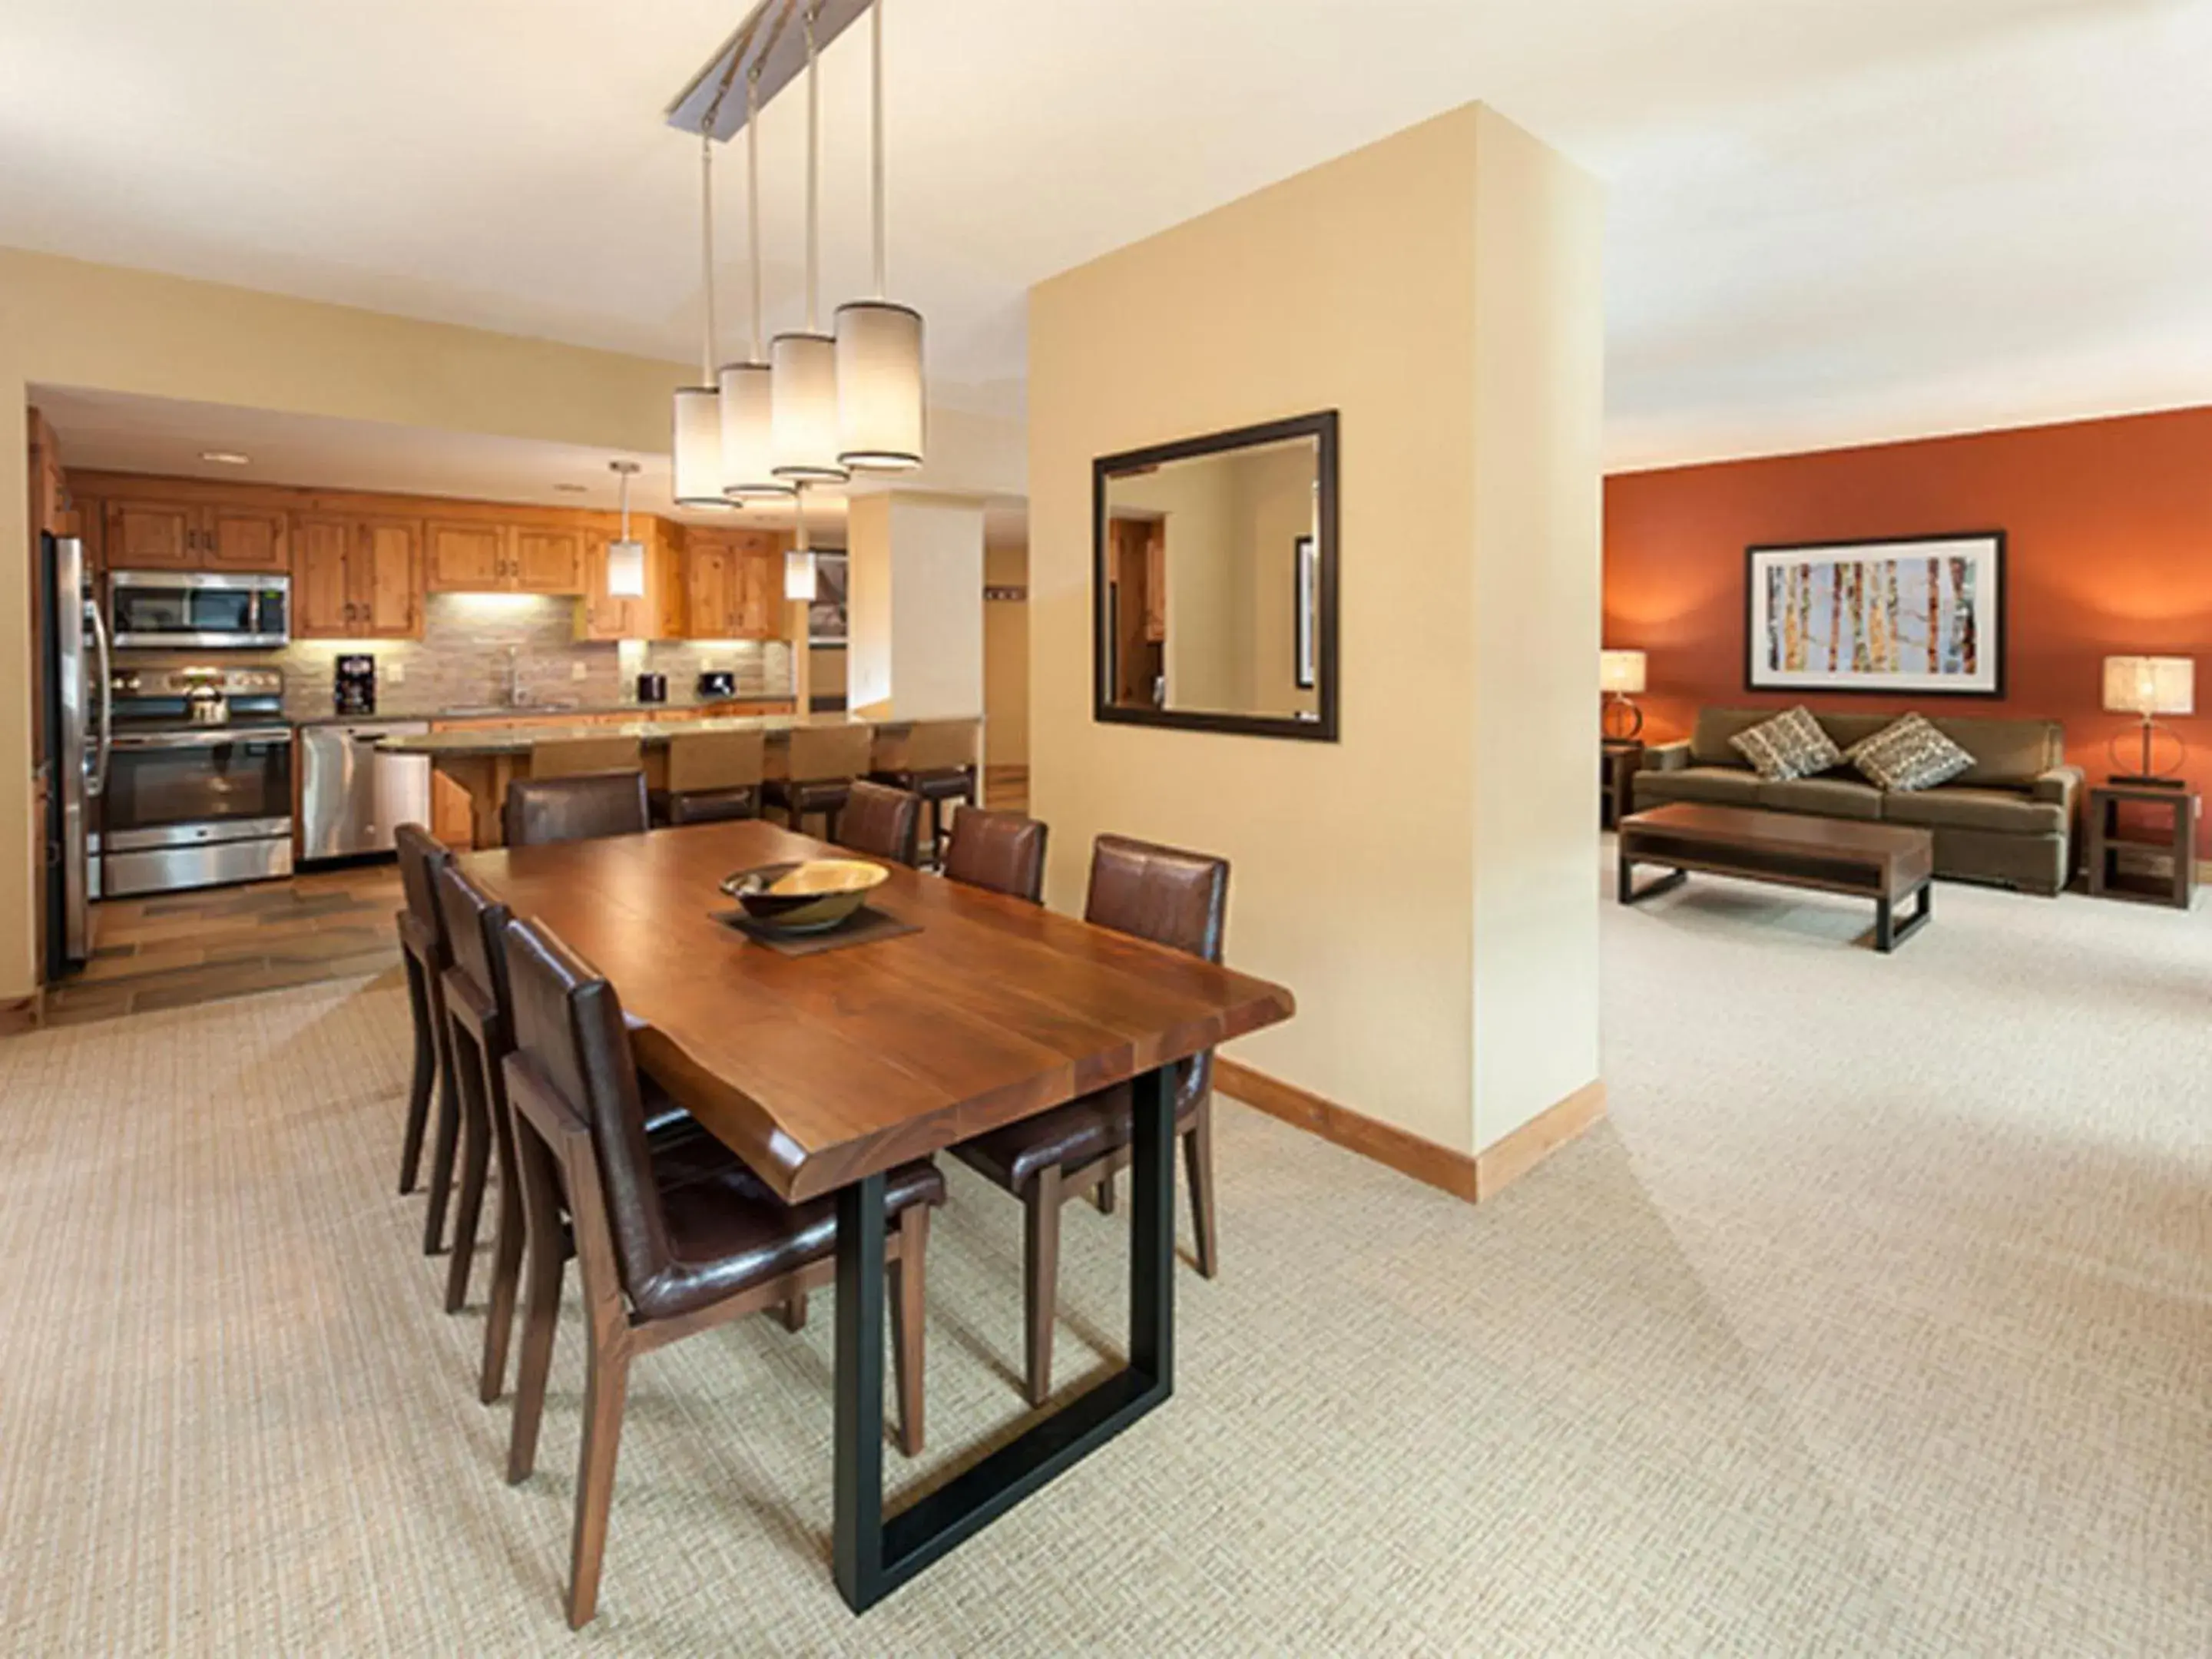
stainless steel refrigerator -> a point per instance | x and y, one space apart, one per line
75 672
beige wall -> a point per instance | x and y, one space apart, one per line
1275 504
1007 660
1356 864
66 322
916 607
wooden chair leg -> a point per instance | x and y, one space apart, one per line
1040 1287
441 1153
476 1158
605 1395
426 1073
907 1274
541 1305
1198 1165
506 1271
794 1311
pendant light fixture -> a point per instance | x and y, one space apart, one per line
798 563
880 394
625 558
803 397
698 437
746 390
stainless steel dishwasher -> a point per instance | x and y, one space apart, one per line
352 798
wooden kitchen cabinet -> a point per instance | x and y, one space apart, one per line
243 538
357 578
736 584
467 557
658 614
152 536
158 535
547 560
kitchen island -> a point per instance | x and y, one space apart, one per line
473 761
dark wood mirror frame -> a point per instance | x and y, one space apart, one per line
1320 427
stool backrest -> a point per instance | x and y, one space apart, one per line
569 757
820 753
941 746
543 811
715 760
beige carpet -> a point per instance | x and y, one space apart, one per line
1877 1320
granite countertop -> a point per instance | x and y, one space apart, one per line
651 733
528 711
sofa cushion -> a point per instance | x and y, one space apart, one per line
1790 746
1828 798
1958 806
1726 786
2007 753
1908 754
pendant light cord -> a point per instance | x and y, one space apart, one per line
813 179
752 199
798 514
707 248
876 135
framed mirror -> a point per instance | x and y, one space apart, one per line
1214 582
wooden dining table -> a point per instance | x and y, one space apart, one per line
824 1071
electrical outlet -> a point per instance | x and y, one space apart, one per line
578 671
396 675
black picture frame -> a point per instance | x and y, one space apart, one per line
1321 426
1992 642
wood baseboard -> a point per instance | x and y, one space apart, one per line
1499 1165
1473 1179
23 1014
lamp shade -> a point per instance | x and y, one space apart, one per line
798 576
803 408
1620 671
748 433
2150 685
879 387
626 570
698 447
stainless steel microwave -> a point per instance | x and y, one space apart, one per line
203 609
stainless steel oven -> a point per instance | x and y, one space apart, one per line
199 781
199 610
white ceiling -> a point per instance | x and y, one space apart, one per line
1833 220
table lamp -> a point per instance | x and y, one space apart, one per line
2147 686
1619 674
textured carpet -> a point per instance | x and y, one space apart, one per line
1877 1319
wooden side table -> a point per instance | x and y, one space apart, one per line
2173 881
1617 761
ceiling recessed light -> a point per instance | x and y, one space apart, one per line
225 457
569 489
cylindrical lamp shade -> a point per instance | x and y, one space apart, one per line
626 570
748 435
880 387
697 448
2150 685
1620 671
798 576
803 408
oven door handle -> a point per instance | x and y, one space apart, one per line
202 740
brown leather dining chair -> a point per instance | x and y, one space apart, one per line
819 767
424 949
1170 898
1002 851
713 777
664 1252
540 811
480 1017
880 821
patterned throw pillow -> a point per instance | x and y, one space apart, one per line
1910 754
1790 746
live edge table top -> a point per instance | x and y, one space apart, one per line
821 1069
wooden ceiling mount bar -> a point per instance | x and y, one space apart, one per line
772 39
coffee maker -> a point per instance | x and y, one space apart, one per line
353 689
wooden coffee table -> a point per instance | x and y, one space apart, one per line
1887 863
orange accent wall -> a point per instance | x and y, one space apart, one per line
2108 553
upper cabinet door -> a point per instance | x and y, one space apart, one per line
243 539
548 562
760 589
151 535
714 599
468 557
387 577
321 602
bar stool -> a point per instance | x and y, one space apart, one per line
935 759
713 777
569 757
823 761
423 944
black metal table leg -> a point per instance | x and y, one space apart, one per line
874 1555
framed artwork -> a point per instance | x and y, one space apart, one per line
825 618
1923 615
1307 561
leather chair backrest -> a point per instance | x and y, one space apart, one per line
880 820
476 927
570 1040
422 855
716 760
543 811
820 754
1170 896
572 758
1002 851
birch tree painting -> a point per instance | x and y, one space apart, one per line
1905 616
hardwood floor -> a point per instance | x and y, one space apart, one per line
178 948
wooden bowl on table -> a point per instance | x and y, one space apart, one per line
809 898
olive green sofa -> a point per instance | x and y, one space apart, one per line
2009 819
